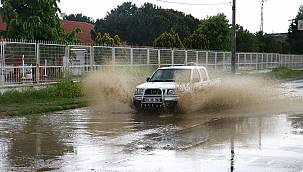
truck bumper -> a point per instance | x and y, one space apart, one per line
167 104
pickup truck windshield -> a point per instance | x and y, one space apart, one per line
171 75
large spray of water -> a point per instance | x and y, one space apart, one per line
111 90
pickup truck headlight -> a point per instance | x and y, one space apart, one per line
171 92
139 91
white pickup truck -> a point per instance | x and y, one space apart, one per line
160 92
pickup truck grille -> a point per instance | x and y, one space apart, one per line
152 98
153 92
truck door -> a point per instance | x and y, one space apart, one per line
196 78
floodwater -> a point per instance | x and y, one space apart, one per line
231 140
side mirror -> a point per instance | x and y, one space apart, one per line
147 79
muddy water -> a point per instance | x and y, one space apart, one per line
267 139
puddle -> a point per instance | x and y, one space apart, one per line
237 139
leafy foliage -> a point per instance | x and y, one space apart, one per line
246 41
217 31
295 36
270 44
107 40
140 26
169 40
196 41
34 20
79 18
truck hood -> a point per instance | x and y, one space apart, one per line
162 85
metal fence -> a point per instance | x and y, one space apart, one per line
24 63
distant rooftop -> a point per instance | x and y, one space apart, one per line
84 36
283 35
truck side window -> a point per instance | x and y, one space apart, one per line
203 75
196 76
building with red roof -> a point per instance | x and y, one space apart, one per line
85 35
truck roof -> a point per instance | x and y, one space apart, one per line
182 67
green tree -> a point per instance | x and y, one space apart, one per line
71 37
80 18
295 36
34 20
107 40
246 41
196 41
267 43
117 40
140 26
217 31
169 40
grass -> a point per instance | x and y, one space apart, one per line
284 72
65 95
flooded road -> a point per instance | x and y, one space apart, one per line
232 140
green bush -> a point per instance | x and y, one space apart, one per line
285 72
66 88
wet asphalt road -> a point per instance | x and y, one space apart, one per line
79 140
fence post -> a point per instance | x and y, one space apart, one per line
148 56
292 61
206 59
251 60
92 58
296 62
238 55
131 56
2 64
159 58
272 60
45 67
288 61
245 59
262 64
197 57
267 63
37 63
66 63
186 57
172 57
216 57
300 64
257 61
113 55
223 64
23 68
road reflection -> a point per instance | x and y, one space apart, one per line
79 140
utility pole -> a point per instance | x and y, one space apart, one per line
234 42
262 15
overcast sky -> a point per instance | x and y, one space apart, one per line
277 13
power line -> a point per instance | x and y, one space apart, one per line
194 4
